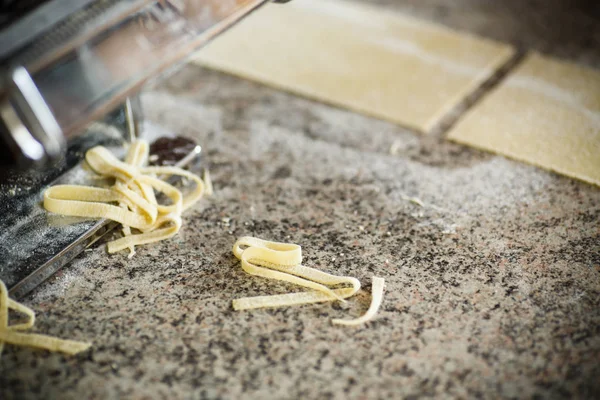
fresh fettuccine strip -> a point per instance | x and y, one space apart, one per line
131 201
208 183
13 334
376 299
130 241
289 299
283 261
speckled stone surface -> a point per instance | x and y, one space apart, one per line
492 286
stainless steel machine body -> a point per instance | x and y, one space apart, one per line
69 73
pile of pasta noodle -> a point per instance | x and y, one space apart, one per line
283 262
15 334
131 200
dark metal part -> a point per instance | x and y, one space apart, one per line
168 151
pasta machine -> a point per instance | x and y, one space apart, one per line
70 72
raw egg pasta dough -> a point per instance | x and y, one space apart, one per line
283 261
15 335
131 200
363 58
546 112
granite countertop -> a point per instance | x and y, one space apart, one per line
492 285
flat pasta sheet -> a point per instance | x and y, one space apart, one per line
366 59
547 113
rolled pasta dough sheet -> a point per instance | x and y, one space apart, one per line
547 113
366 59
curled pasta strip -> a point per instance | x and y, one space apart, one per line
15 335
131 200
377 298
283 261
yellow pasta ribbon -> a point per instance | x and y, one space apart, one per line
283 261
13 334
377 298
131 200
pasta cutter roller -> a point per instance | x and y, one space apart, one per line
70 72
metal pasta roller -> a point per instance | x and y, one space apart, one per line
70 71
